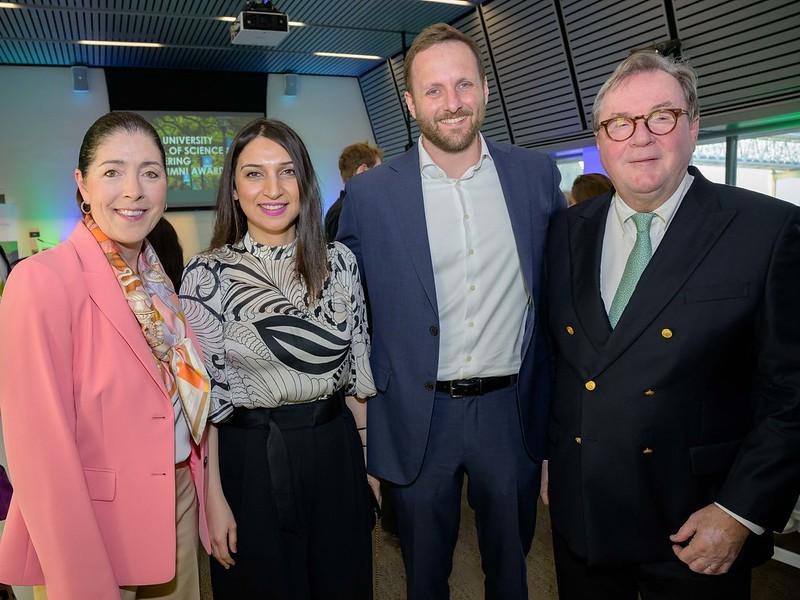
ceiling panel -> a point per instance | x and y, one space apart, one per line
46 32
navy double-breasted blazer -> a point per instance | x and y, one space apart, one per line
694 397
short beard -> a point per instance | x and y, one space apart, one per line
452 144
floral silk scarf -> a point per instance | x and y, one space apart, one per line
155 305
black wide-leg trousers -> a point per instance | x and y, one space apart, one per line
295 480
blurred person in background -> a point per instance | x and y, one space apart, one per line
165 242
355 159
588 186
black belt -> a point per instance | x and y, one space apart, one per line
275 421
476 386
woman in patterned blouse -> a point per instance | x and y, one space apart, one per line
281 318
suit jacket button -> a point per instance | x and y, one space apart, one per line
434 330
666 333
429 386
647 451
205 461
578 440
590 385
649 392
570 330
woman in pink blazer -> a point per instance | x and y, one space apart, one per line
103 394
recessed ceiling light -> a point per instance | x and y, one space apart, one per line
9 5
456 2
344 55
128 44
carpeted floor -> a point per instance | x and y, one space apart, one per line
772 581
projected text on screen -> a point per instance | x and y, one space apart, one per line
195 145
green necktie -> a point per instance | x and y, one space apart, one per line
637 261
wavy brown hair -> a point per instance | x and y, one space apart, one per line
644 61
356 155
311 256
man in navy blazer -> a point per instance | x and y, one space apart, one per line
672 304
450 239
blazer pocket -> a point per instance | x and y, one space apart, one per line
717 291
102 484
382 377
713 458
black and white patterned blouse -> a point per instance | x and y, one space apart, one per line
263 346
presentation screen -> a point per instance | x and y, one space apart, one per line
195 144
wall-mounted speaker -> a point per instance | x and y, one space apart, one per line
290 84
80 79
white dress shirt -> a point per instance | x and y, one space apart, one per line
618 241
480 289
620 236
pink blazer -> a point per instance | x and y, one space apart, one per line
89 432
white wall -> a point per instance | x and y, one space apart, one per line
328 113
194 229
43 122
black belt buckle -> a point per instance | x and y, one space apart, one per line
466 387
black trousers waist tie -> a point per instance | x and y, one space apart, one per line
276 421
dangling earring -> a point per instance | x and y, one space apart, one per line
86 208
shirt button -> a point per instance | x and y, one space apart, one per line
472 288
434 330
469 358
471 323
471 251
466 217
590 385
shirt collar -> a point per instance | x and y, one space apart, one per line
268 252
665 212
430 169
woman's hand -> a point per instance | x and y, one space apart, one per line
221 528
375 486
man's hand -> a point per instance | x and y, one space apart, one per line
716 539
543 491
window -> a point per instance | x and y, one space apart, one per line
569 168
709 157
770 164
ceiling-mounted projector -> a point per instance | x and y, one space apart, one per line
259 24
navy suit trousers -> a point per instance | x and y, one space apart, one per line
479 437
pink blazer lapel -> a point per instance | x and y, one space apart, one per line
105 292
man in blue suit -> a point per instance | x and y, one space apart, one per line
449 239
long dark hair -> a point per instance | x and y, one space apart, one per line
109 124
311 257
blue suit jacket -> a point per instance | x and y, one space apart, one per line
383 223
